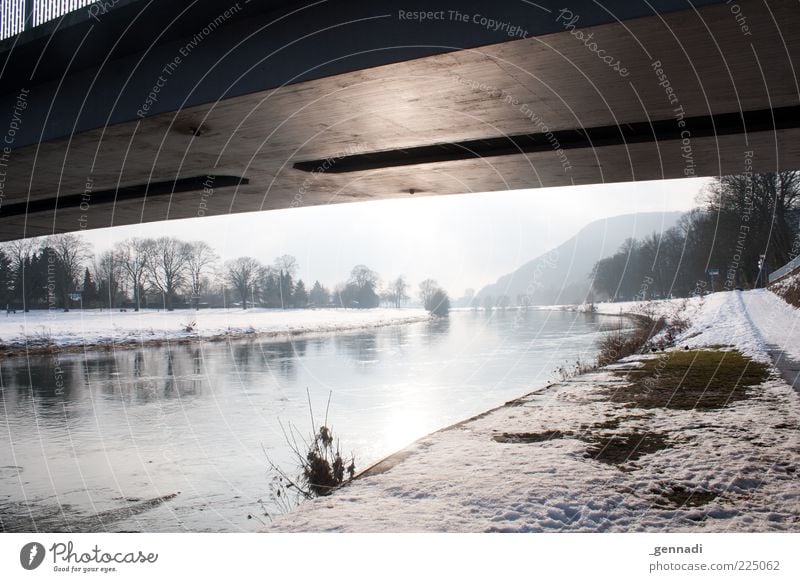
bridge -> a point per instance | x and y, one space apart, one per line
124 111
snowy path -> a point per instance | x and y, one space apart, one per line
778 324
777 321
462 479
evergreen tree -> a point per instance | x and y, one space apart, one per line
6 281
89 290
286 267
269 287
359 291
300 295
286 289
319 295
31 281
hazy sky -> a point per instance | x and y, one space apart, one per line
462 241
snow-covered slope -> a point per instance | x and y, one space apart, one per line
788 288
753 321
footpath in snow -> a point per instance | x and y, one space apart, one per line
535 463
97 328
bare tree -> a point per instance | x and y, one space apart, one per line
433 297
133 256
242 274
200 261
769 200
73 252
398 291
286 264
167 267
109 275
20 250
363 277
21 253
426 290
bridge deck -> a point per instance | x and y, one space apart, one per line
679 65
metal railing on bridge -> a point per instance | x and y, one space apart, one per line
19 15
788 268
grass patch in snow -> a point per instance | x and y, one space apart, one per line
679 496
691 379
618 449
605 446
610 424
529 437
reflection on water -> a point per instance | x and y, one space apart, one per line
92 433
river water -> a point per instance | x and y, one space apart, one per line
95 439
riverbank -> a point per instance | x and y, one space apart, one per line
755 322
197 418
45 331
705 437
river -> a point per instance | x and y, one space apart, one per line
95 438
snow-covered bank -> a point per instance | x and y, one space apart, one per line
462 480
752 321
96 327
740 462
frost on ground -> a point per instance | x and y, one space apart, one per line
96 327
571 457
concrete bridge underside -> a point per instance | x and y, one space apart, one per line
387 107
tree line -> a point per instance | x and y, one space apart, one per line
746 227
62 272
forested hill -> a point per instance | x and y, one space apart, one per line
562 274
746 228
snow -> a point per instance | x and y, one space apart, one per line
752 321
777 322
460 479
96 327
786 283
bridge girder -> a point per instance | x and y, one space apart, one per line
633 96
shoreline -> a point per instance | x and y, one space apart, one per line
522 450
33 348
389 461
630 309
599 452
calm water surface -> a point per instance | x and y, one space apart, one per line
92 437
